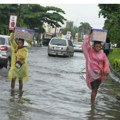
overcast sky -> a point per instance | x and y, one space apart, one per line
81 13
76 10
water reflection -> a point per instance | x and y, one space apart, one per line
91 113
17 108
58 91
15 111
15 114
13 92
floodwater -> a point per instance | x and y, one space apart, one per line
57 90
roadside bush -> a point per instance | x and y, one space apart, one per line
114 58
29 42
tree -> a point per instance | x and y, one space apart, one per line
84 28
40 15
70 27
112 23
5 11
31 15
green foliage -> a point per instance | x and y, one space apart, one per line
84 27
79 40
72 29
31 15
29 42
108 10
114 58
112 14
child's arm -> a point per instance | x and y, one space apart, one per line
86 44
106 65
12 41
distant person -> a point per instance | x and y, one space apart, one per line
19 66
97 65
107 46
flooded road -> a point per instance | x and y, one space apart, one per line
57 90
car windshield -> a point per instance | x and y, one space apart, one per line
58 42
2 41
77 43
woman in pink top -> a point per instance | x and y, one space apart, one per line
97 65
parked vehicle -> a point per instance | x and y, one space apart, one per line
46 41
5 51
77 46
60 46
25 44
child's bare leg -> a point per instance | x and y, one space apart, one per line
93 96
20 84
13 83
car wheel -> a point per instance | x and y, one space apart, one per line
49 54
72 54
68 54
1 66
8 64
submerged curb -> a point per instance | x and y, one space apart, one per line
117 74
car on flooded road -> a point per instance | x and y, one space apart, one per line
77 46
60 47
5 51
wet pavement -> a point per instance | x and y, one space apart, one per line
56 90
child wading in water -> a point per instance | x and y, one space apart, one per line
19 66
97 65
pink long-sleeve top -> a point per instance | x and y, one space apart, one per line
97 64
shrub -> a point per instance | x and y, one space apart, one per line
114 58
